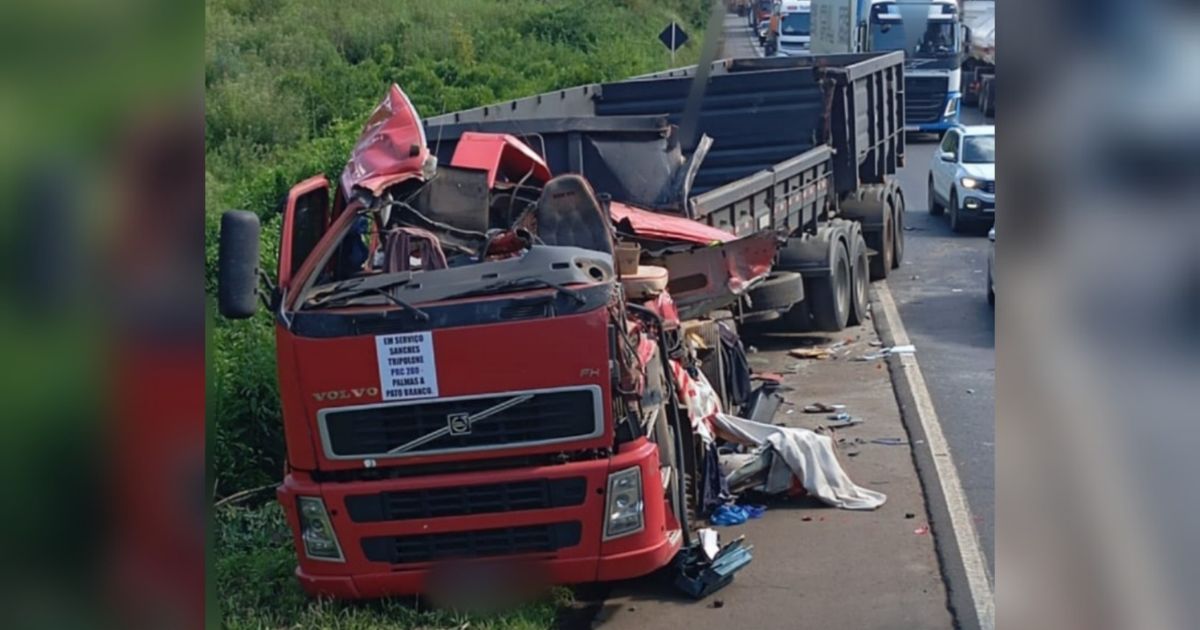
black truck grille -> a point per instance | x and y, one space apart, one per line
924 98
477 544
535 494
543 416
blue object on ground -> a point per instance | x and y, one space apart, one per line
699 577
753 511
728 515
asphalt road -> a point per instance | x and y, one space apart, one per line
941 293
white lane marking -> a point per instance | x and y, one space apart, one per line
978 580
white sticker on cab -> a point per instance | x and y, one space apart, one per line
406 366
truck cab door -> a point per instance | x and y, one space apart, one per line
306 216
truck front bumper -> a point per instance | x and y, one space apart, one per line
586 557
944 123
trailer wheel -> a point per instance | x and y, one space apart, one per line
859 274
898 231
881 242
779 290
829 296
935 208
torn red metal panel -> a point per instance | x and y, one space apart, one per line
666 226
391 148
500 155
713 277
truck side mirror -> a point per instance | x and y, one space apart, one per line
237 264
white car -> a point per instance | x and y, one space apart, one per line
962 176
991 286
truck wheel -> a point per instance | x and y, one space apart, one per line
829 297
859 273
898 231
779 290
955 223
935 208
881 242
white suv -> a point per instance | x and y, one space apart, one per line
962 176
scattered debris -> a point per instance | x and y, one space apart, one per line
909 515
875 343
842 420
889 441
751 350
883 353
852 454
956 290
718 603
806 518
709 542
700 577
820 407
819 354
970 391
922 530
731 514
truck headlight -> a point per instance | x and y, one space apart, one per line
951 105
320 543
624 503
969 182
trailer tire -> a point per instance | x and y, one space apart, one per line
881 242
898 230
779 290
935 209
859 278
828 297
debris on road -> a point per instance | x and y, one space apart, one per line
700 577
883 353
820 407
922 530
842 420
819 354
889 441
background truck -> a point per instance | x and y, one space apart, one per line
979 69
795 25
465 378
929 33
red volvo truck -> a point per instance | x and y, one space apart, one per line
466 379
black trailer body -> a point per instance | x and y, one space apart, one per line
804 146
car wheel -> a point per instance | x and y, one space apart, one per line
935 208
955 223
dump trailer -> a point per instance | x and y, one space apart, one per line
476 395
804 147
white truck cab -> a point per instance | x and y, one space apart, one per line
795 27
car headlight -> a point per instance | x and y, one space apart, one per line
320 543
624 503
969 182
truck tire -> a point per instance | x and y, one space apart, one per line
777 291
859 278
935 209
881 242
828 297
898 229
956 224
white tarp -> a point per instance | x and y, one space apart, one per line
809 455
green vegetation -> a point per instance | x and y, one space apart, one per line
288 84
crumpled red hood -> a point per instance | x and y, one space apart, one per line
660 225
391 148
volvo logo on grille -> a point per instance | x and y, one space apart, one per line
460 423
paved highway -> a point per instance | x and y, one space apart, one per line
941 293
940 290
